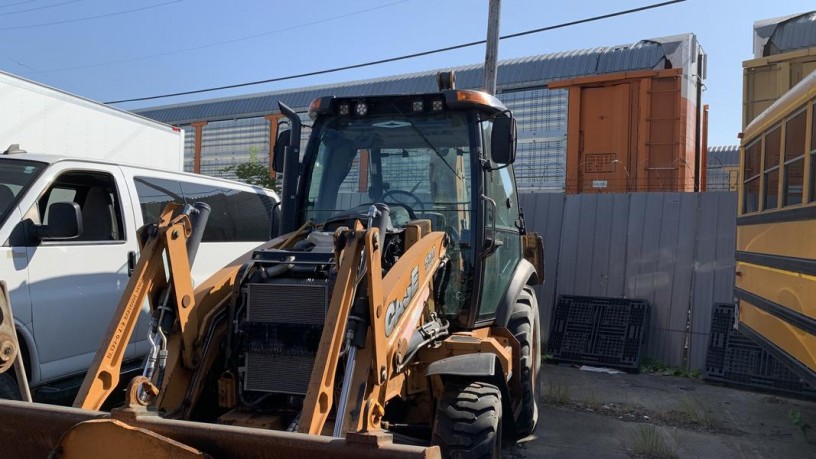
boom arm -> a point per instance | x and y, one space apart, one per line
148 279
397 306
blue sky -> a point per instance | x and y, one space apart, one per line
107 50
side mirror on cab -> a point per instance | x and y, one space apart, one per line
279 150
64 222
503 140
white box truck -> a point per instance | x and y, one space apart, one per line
42 119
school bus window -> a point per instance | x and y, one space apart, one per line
812 180
794 172
752 195
771 168
752 159
751 175
813 128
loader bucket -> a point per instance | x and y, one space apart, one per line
35 430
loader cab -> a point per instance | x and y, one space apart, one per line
444 157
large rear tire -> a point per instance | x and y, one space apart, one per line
524 325
468 421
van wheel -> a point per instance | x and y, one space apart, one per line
468 421
524 325
9 390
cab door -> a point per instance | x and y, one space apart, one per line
76 285
501 232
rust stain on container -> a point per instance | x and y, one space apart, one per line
628 132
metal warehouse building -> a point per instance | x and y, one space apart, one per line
723 168
227 131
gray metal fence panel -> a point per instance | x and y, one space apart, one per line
714 269
658 267
543 213
616 275
680 226
675 250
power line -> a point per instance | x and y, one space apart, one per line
404 57
212 45
53 5
88 18
17 3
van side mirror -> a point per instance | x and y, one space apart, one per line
503 140
279 150
64 222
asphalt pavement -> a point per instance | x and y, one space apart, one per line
586 414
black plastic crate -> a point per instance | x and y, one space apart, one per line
734 358
599 331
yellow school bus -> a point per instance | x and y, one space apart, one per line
776 230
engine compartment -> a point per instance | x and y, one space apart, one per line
277 317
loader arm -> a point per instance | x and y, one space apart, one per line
148 278
398 303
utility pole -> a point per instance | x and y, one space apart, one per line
492 50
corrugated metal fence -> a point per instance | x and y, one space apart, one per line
675 250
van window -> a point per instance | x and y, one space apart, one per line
154 194
97 198
237 216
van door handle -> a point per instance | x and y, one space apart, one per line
131 262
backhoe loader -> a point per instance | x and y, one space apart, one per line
392 316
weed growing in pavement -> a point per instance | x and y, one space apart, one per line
797 420
656 366
558 393
647 441
590 400
698 416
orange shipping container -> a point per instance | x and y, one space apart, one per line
631 131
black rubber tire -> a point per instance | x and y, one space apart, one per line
468 421
525 326
9 390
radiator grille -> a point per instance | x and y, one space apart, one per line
290 302
274 363
280 373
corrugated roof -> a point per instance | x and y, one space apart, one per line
723 156
787 33
525 71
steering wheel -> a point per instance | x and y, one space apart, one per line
410 209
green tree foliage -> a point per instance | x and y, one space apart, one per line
253 172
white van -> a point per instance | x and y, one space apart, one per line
64 292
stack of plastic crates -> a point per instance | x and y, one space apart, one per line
734 358
607 332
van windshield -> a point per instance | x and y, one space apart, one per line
15 177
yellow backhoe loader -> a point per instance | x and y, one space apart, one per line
393 316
